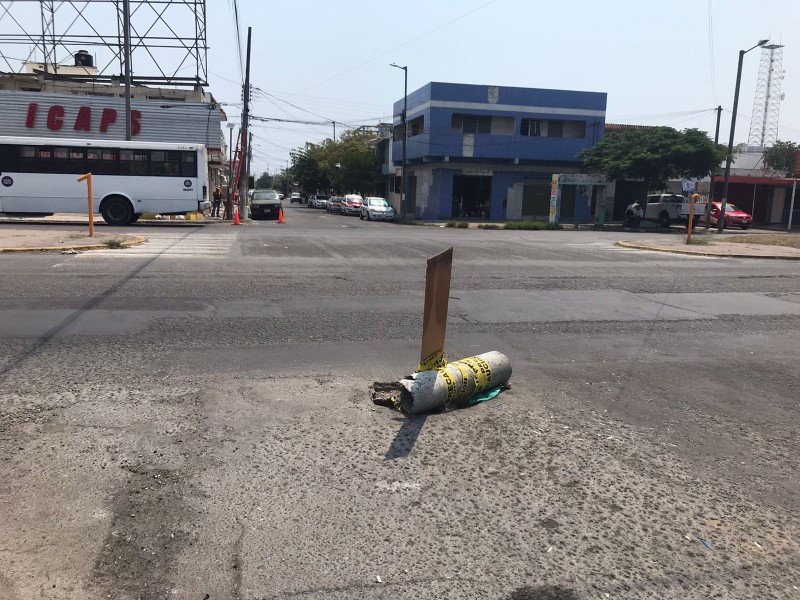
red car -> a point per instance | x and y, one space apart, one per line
334 204
734 217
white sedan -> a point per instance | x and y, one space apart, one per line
377 208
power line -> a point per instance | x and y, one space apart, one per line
235 7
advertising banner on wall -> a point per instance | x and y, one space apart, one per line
39 114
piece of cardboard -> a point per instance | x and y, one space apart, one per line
437 294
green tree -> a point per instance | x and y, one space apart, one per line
781 156
347 165
355 163
654 155
310 167
264 182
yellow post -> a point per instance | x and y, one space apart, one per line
88 179
691 217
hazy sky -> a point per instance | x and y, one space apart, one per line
661 63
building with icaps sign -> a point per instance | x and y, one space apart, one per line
90 112
489 152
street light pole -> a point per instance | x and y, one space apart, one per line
403 119
721 221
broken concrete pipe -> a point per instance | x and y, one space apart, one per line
428 390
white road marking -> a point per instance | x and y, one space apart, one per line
205 247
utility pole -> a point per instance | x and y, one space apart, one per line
126 51
403 120
244 164
713 172
249 152
334 130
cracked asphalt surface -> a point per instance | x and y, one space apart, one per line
191 419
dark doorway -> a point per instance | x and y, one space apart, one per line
472 196
568 194
536 201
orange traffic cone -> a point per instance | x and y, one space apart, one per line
280 215
236 215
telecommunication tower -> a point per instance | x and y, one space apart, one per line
767 104
84 40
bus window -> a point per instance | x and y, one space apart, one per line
134 162
77 160
165 164
102 161
61 160
9 158
27 159
188 164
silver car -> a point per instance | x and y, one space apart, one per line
320 201
377 208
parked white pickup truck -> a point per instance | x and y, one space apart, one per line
663 209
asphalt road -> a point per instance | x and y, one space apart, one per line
191 419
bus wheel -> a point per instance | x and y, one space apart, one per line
116 211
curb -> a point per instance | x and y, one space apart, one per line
691 253
127 244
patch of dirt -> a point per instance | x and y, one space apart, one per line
543 592
787 240
149 527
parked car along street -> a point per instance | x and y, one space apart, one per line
734 216
265 203
664 209
377 208
317 201
351 204
334 204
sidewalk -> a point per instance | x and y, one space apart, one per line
24 238
720 248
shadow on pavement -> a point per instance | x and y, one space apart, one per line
406 437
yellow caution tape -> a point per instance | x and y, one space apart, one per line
481 370
436 361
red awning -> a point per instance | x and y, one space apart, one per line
779 181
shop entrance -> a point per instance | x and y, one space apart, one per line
472 196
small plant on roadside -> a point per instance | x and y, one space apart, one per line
458 224
406 221
114 244
488 226
698 241
77 236
531 225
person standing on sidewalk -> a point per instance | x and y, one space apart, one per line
216 201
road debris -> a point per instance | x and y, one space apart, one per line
378 579
707 544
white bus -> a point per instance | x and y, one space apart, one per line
37 177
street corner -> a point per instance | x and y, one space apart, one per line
739 247
66 242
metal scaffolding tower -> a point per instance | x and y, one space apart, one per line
767 103
167 39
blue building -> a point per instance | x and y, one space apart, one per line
489 152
